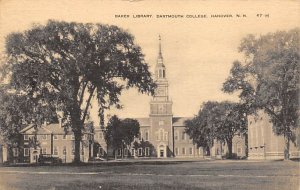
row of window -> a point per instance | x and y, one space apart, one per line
183 151
163 136
55 137
146 136
139 152
183 136
44 151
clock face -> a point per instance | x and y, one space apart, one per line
161 108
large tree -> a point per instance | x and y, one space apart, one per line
16 110
121 133
217 120
269 79
67 64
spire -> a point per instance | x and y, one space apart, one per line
159 54
160 57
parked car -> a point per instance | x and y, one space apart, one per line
96 159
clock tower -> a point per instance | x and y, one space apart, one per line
161 111
160 104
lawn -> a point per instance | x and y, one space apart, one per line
202 175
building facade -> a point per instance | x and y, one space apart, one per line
52 140
161 134
264 143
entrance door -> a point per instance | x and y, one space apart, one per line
161 151
34 156
161 154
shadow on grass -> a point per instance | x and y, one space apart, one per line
103 163
115 185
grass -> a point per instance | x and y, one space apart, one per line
202 175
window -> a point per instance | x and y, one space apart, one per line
176 135
125 151
64 137
44 150
119 152
147 136
26 137
147 151
132 152
140 136
161 134
15 152
176 151
239 150
140 152
82 149
55 137
166 136
183 151
183 136
55 150
164 73
100 151
191 150
65 150
26 151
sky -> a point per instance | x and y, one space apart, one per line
198 52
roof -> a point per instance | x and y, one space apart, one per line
53 128
145 121
179 121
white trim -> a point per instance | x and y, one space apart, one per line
27 137
140 151
44 150
147 151
55 147
27 151
15 152
132 152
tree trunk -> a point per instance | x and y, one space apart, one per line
77 127
208 150
229 146
246 144
286 147
77 135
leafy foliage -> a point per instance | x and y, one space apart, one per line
121 133
269 79
220 121
67 64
